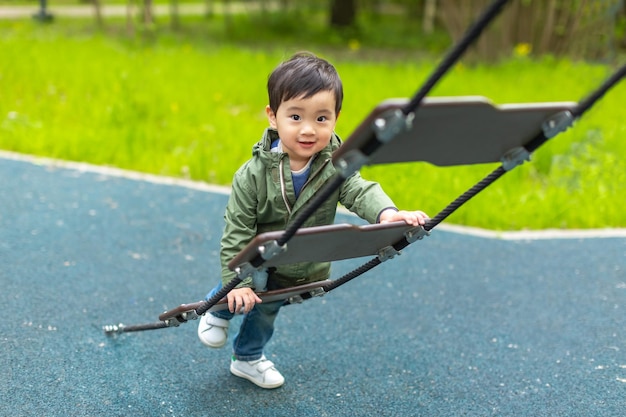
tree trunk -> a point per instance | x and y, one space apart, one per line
578 29
147 12
342 13
130 27
428 20
623 18
98 9
175 18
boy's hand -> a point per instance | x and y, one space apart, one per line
240 298
414 218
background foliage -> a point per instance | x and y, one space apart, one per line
188 101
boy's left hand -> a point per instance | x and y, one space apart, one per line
414 218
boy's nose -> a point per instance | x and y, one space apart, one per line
307 129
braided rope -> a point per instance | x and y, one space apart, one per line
353 274
582 107
455 54
466 196
207 304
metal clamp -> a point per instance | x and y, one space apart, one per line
294 299
317 292
181 318
114 328
557 124
298 299
416 233
515 157
351 162
244 270
171 322
190 315
391 123
386 253
271 249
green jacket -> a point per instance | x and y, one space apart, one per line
263 200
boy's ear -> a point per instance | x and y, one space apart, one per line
271 116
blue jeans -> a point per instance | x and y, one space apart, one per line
256 328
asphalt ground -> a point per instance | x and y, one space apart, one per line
460 324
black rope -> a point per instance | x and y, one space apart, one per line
207 304
430 224
470 36
353 274
531 146
335 182
203 308
582 106
465 197
588 102
372 143
453 56
308 210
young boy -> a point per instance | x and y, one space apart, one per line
288 166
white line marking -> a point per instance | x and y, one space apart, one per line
202 186
115 172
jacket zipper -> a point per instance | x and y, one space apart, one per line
283 188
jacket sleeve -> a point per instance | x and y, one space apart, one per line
240 225
364 198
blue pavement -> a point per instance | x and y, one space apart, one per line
457 325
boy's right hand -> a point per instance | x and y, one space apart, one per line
242 298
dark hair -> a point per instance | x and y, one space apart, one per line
303 75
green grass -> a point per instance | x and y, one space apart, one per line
191 104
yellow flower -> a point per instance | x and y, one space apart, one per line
354 45
522 49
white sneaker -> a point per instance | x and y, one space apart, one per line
213 331
260 372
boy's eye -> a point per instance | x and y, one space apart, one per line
322 119
295 117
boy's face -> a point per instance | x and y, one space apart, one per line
304 125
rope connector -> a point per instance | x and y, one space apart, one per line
514 157
415 234
391 124
245 270
351 162
385 127
271 249
298 299
183 317
113 328
388 252
558 123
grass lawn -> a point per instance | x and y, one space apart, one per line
191 104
